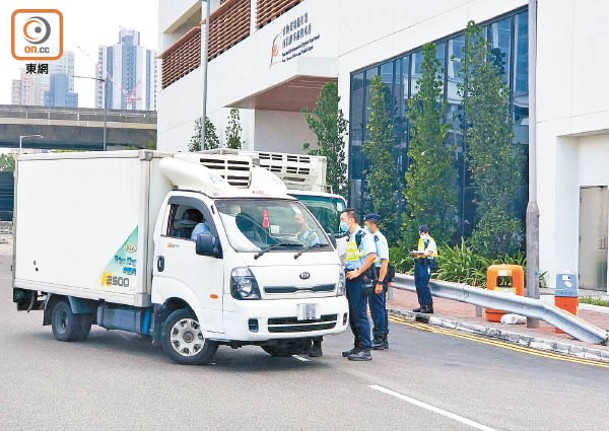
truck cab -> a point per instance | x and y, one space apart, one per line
249 275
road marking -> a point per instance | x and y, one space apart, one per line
300 358
502 344
432 408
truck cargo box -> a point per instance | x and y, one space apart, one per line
84 222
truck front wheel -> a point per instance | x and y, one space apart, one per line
183 340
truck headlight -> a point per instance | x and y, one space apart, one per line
342 283
243 284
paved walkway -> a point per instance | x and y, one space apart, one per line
458 311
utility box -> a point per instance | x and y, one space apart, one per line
566 285
567 294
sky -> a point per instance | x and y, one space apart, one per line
86 24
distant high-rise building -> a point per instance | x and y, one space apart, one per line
131 73
32 88
29 89
59 93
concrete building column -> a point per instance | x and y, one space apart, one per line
253 15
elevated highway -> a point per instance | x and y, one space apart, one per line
76 128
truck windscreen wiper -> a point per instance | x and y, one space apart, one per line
307 248
273 247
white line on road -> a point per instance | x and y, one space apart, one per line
432 408
300 358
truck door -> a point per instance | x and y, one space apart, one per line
180 272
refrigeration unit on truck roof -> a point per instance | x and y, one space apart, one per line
297 171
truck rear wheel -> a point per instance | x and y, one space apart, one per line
288 348
64 322
183 340
84 326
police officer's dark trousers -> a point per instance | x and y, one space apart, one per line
422 273
378 310
358 316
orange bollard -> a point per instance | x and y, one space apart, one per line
566 296
492 274
568 304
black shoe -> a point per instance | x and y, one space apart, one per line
427 309
353 350
315 350
377 344
418 310
385 344
361 355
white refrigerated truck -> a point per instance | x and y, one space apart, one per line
105 238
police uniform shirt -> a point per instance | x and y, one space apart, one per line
427 244
382 248
355 255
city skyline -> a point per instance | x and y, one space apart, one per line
46 86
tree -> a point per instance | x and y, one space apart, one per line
329 125
492 160
211 137
233 130
7 162
382 174
431 179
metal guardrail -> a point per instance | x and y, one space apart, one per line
529 307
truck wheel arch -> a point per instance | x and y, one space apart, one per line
48 308
78 306
161 312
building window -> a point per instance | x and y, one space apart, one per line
508 37
520 84
500 36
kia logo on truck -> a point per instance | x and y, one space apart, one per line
305 275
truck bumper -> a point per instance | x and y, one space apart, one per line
257 321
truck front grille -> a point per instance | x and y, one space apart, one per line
292 324
294 289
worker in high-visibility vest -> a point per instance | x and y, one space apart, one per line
423 262
305 234
360 256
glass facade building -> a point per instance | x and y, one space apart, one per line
508 34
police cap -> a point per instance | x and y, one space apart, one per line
373 217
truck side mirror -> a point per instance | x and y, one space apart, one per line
206 245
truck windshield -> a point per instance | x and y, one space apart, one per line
257 224
326 209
